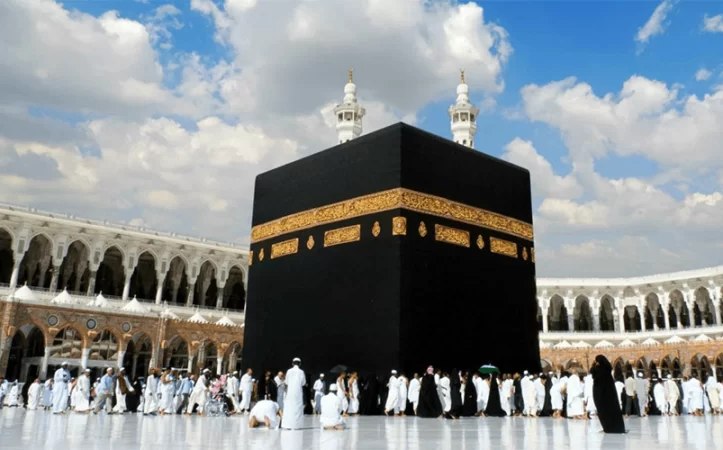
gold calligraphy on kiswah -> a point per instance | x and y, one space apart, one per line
388 200
342 235
284 248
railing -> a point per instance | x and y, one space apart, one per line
631 335
82 302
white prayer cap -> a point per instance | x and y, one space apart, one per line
394 372
321 375
206 370
549 373
86 370
670 377
526 372
236 372
332 388
530 376
296 360
640 374
64 364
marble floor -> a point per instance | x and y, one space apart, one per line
20 429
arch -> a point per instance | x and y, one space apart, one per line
144 279
633 320
239 267
138 355
67 343
7 254
234 292
573 364
18 344
206 289
607 313
582 314
105 346
111 273
678 310
213 264
546 366
74 272
704 313
654 316
557 314
210 353
175 285
177 353
37 261
46 236
619 372
233 356
718 364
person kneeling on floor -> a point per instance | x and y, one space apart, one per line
331 409
265 413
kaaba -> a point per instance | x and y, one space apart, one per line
396 250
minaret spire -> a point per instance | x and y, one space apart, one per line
349 114
463 116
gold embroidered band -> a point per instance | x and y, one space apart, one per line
503 247
284 248
451 235
388 200
342 235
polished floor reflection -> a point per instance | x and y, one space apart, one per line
39 430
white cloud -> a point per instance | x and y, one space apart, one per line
713 24
645 118
545 183
656 23
703 74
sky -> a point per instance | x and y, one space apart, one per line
160 113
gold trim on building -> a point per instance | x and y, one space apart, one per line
388 200
399 226
376 229
342 235
310 242
532 254
284 248
422 229
261 255
524 253
480 242
503 247
451 235
251 258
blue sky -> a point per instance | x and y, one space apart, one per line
161 113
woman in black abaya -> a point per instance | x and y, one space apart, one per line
469 408
494 407
606 396
429 404
547 405
456 394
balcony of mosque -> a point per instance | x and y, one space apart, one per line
712 331
113 304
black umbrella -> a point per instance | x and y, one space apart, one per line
339 368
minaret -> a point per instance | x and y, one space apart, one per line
463 116
349 114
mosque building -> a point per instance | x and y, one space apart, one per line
100 295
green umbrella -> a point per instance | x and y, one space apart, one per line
488 368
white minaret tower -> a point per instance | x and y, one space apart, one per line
463 116
349 114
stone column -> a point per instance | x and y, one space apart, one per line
54 279
716 310
621 320
570 322
545 321
596 321
191 290
666 318
91 282
219 296
127 284
16 270
44 365
159 290
43 270
85 355
219 365
121 355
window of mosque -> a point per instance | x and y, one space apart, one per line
464 142
104 347
455 117
464 117
347 116
341 117
471 117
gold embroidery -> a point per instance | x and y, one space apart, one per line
376 229
342 235
451 235
261 255
524 253
310 243
503 247
480 242
388 200
532 254
284 248
399 226
422 229
251 258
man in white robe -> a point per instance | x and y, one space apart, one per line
529 396
199 395
673 393
575 395
331 410
13 395
294 412
589 400
711 388
392 404
150 395
123 387
641 392
413 394
246 387
661 400
232 388
280 389
82 404
266 412
319 386
540 391
104 393
60 389
483 392
34 395
403 392
695 403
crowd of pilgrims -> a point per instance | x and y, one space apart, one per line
435 393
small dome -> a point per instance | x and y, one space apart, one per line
135 306
226 322
24 293
170 315
350 88
462 88
63 299
197 318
